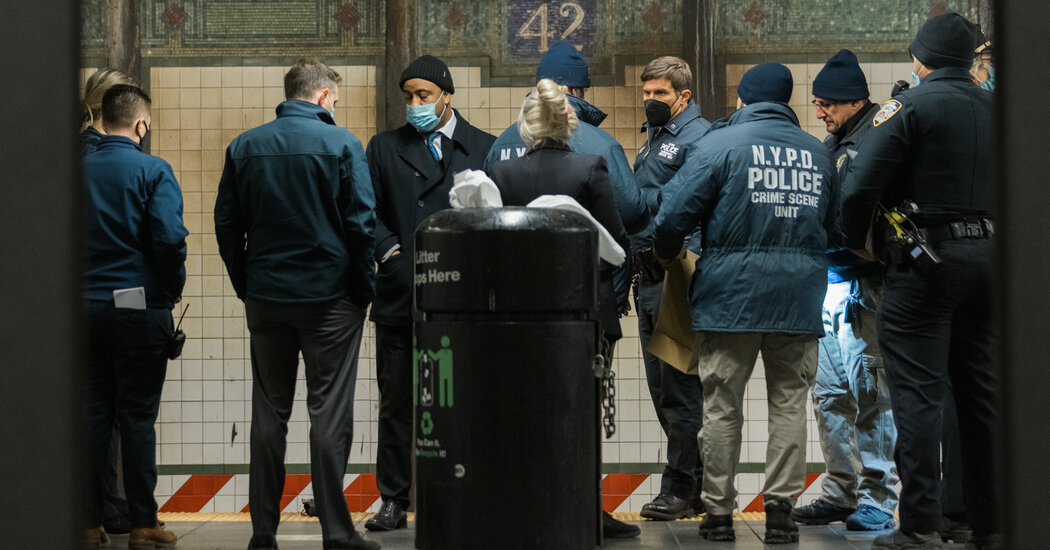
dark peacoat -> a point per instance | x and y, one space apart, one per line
555 169
409 186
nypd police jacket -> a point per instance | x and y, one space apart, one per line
764 193
931 145
660 158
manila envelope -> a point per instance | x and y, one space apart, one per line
672 339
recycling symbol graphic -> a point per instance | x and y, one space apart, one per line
426 424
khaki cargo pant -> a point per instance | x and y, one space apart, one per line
726 362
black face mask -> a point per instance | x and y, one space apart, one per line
657 112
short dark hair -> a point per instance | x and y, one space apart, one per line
308 76
672 68
123 104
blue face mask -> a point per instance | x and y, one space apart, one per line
915 80
990 83
424 117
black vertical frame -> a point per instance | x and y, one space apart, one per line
1023 193
40 313
699 49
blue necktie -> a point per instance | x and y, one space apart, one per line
433 144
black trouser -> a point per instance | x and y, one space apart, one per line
394 366
679 401
116 503
953 504
329 337
126 369
933 329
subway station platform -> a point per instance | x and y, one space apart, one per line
232 531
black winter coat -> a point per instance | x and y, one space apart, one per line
409 186
554 169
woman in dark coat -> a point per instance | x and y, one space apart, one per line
546 122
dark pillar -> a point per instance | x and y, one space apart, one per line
402 46
123 40
1023 114
698 49
40 322
986 17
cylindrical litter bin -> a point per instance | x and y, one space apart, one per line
506 408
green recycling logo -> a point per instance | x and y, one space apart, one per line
426 424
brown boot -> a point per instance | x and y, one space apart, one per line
151 537
95 537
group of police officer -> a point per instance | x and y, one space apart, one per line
857 268
895 204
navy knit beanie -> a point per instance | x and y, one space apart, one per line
945 41
564 65
431 69
766 82
841 79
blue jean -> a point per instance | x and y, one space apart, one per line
126 369
679 402
851 401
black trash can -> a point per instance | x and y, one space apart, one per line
506 408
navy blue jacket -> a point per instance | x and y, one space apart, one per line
295 213
587 138
764 193
660 158
931 144
135 234
842 263
410 186
89 139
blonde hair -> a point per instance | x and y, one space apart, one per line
96 87
546 114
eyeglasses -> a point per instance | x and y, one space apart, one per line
825 104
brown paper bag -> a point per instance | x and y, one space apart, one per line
672 339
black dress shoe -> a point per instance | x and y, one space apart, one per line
356 542
391 516
667 507
263 542
613 528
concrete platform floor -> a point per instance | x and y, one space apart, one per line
232 531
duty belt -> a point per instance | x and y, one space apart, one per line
969 228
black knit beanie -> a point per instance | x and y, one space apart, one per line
431 69
945 41
765 82
841 79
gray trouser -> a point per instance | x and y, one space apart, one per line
329 337
726 363
851 401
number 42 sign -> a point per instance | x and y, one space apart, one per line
533 26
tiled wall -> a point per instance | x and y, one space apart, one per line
206 406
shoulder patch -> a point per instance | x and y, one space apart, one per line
888 110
